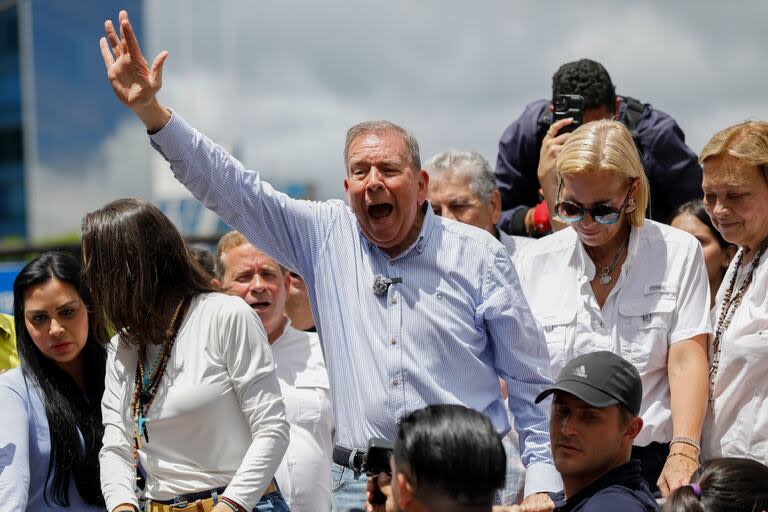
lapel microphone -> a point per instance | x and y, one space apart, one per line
381 284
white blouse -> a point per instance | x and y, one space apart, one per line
217 419
737 425
661 297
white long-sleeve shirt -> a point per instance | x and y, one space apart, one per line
217 419
304 476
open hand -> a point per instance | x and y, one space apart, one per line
134 82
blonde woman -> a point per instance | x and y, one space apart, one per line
613 280
736 198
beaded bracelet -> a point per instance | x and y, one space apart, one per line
681 454
686 440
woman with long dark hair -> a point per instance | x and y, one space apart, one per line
191 394
51 404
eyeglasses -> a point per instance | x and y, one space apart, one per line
570 213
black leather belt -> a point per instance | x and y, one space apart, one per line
348 458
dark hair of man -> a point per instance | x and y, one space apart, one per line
139 267
588 79
727 485
204 258
696 209
70 414
452 451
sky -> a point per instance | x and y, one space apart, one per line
279 83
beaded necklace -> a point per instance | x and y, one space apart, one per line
145 385
731 302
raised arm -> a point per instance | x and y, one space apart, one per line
135 84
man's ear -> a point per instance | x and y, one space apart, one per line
634 427
617 106
495 206
215 282
405 493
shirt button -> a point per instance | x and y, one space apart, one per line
439 296
391 262
394 300
395 382
393 341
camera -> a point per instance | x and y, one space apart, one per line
565 106
377 457
377 461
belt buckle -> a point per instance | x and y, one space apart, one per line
179 503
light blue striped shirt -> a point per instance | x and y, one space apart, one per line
456 323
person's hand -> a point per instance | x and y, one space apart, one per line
134 82
540 502
677 471
551 146
382 483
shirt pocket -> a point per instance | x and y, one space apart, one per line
644 330
556 327
303 405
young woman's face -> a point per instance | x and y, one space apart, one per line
56 319
716 258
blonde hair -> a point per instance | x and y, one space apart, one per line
227 242
606 146
746 141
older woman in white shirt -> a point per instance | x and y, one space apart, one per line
613 280
735 186
191 394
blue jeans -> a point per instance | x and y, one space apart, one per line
272 502
348 491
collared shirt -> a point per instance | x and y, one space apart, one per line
25 449
445 334
304 475
217 419
620 489
661 297
9 357
737 426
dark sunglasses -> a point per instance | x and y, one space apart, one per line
570 213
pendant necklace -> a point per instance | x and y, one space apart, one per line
605 271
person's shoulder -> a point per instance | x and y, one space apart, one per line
618 497
557 243
13 379
465 234
528 121
657 233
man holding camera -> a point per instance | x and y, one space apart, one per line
529 147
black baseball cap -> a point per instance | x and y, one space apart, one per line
601 379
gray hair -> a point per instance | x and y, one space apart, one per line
467 164
383 127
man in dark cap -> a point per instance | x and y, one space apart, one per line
593 423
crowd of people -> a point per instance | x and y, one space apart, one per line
576 330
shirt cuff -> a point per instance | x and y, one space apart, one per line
541 477
173 139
